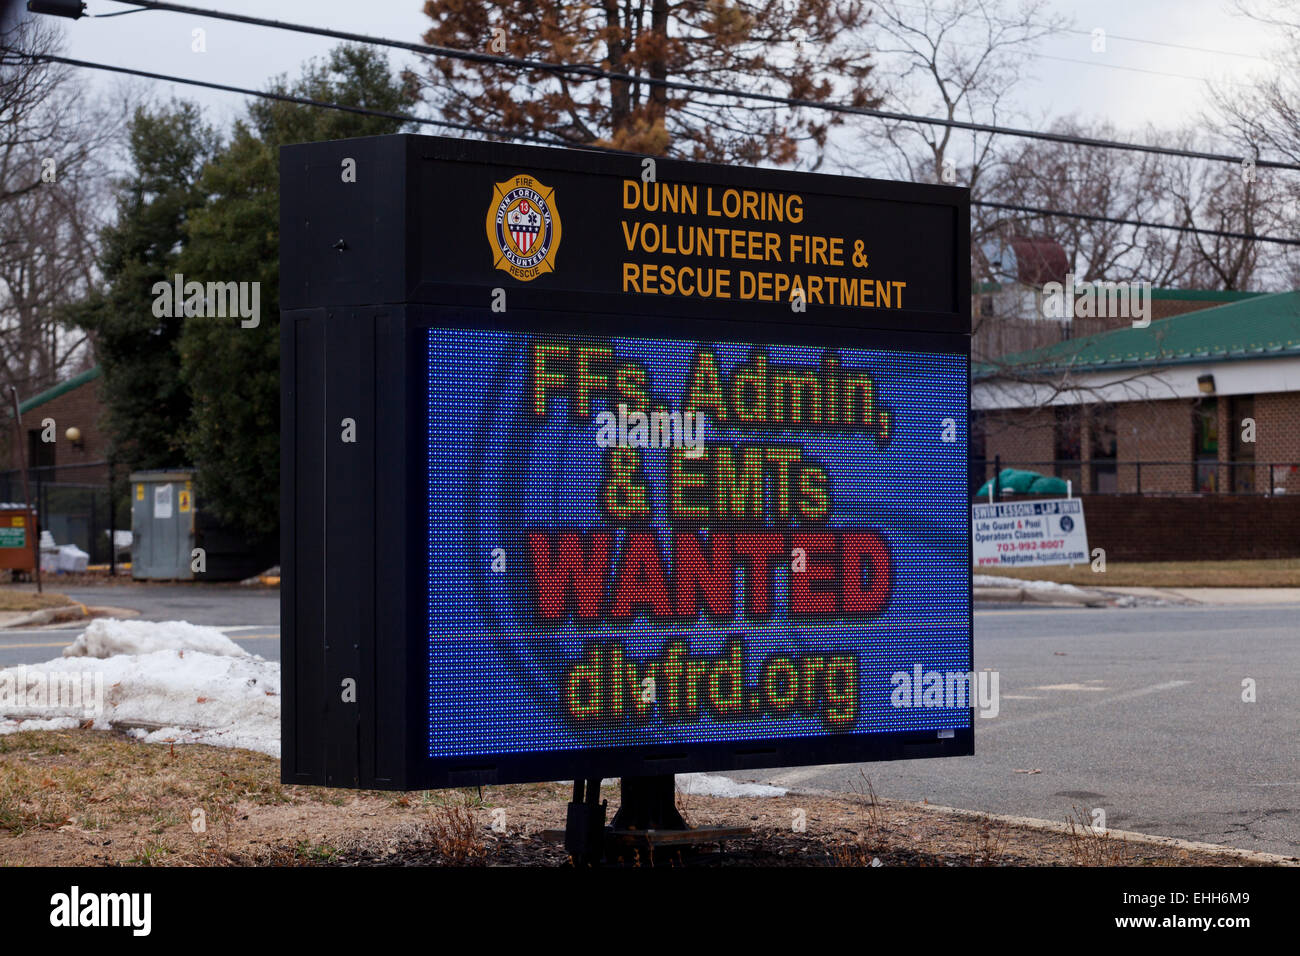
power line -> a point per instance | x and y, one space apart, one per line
1175 46
512 134
1117 66
1089 33
1136 222
1063 59
299 100
592 72
1068 59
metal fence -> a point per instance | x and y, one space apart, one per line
78 504
1205 476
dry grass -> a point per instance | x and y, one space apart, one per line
97 781
15 600
455 835
873 839
1090 846
92 798
1279 573
88 796
990 843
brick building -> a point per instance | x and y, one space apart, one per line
68 478
1202 402
72 404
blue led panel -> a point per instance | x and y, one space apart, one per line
604 571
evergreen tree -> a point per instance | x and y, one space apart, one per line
148 406
232 371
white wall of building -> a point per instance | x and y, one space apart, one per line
1244 377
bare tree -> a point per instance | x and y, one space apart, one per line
1107 183
1228 199
1270 118
1266 121
25 81
955 59
53 173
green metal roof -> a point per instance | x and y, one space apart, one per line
61 389
1265 326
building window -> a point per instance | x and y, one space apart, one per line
978 452
1242 472
1103 444
40 454
1205 446
1068 445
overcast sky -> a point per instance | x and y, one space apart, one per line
1109 85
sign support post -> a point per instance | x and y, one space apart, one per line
33 532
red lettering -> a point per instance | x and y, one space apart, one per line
641 580
804 601
855 548
758 550
571 572
693 575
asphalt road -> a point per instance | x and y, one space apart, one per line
250 616
1138 712
1135 711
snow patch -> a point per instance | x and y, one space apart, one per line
994 581
58 723
710 785
108 637
164 682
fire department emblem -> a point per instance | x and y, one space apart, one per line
523 227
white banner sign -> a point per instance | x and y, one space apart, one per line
1028 533
162 501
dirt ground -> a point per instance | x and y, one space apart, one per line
90 798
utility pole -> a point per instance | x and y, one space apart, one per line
34 530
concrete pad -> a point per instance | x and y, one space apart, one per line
1075 598
1240 595
998 595
983 595
1154 594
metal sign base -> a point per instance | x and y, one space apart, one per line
647 820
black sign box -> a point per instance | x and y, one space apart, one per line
382 237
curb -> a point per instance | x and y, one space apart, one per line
1013 595
1132 836
70 612
104 610
52 615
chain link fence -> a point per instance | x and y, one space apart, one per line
78 504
